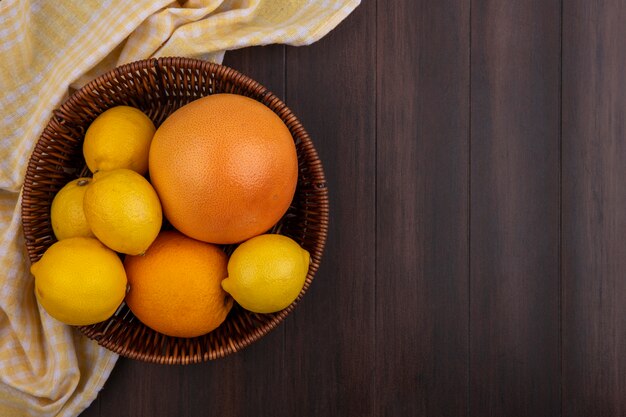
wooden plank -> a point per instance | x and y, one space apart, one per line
141 389
422 208
329 342
265 64
594 208
514 290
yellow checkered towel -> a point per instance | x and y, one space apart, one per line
47 368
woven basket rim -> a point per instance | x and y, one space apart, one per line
160 66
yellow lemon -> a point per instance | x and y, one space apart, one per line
66 214
123 210
119 138
79 281
266 273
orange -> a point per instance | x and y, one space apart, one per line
175 288
225 168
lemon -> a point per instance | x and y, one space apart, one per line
79 281
266 273
123 210
119 138
66 214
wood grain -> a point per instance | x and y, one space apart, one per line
594 208
329 359
514 245
139 389
421 208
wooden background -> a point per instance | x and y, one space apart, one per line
476 265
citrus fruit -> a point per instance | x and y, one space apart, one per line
266 273
66 213
225 168
119 138
175 287
79 281
123 210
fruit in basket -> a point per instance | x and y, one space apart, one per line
123 210
225 168
266 273
119 138
175 287
66 213
79 281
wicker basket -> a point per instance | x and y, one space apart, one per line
158 87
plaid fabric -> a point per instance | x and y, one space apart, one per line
47 368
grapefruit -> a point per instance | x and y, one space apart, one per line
225 168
